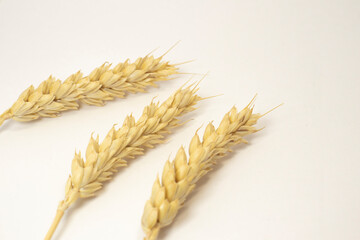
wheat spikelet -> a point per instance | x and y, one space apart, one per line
180 176
129 141
103 84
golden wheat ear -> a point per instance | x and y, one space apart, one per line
180 176
127 142
103 84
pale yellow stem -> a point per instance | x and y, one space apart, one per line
59 214
5 116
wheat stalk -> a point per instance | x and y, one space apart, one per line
180 176
129 141
103 84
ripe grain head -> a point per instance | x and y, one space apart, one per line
180 176
103 159
103 84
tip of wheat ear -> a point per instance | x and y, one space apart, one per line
127 142
103 84
180 176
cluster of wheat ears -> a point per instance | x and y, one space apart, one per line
103 159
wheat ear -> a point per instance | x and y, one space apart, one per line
103 84
180 176
103 160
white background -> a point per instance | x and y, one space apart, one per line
298 179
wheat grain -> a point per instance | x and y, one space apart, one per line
103 84
129 141
180 176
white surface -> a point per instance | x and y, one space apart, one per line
298 179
